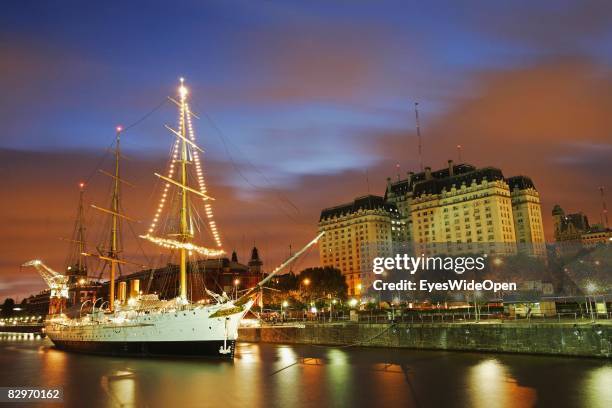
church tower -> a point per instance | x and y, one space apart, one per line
255 263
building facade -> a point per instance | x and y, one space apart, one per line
527 214
596 235
356 233
568 227
457 210
573 231
463 209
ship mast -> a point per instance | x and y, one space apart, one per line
184 231
80 238
185 157
114 242
112 253
75 263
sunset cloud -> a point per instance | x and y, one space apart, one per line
311 106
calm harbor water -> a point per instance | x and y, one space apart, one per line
266 375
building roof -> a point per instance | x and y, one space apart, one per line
368 202
203 265
520 182
597 229
408 184
419 183
436 185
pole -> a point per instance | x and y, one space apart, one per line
115 224
418 129
183 212
604 210
81 229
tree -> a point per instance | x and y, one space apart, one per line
316 283
7 308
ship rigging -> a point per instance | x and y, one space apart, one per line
145 324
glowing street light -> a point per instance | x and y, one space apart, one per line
306 282
284 305
236 283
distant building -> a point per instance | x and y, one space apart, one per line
573 231
218 275
568 227
356 233
596 235
464 209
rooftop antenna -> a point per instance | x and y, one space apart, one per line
418 129
459 147
397 166
604 209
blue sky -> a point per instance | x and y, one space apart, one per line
312 95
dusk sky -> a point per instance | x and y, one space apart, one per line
298 102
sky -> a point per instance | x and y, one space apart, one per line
302 105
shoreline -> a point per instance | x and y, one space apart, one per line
582 340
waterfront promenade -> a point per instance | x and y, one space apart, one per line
579 338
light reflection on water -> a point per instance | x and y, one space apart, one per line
266 375
598 387
490 385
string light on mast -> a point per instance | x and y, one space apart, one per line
185 122
200 176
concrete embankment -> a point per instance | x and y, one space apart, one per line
22 328
566 339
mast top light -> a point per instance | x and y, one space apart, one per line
182 89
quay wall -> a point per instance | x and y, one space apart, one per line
22 328
585 340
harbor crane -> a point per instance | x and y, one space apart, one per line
58 284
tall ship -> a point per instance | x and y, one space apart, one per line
143 324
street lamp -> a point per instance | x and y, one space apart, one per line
236 283
284 305
333 302
306 282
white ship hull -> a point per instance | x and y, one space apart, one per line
188 332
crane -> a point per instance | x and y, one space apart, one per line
58 284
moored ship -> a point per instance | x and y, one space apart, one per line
143 324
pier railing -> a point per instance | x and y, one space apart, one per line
442 317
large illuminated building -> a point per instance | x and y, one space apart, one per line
463 209
459 209
357 232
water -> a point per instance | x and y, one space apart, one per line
267 375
